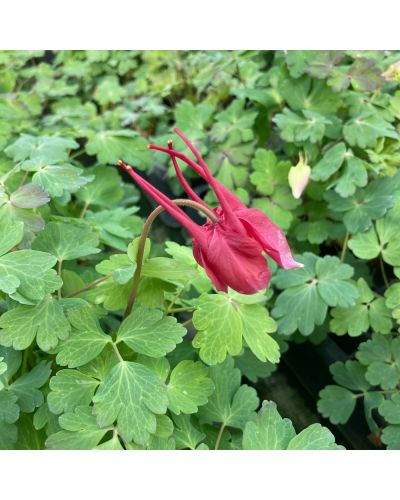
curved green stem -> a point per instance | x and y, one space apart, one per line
59 270
89 286
142 242
117 353
219 437
344 247
384 276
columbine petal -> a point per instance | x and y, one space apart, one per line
235 262
271 237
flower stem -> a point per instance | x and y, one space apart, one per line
84 210
344 248
59 270
382 265
117 353
89 286
174 299
180 309
219 437
142 242
23 179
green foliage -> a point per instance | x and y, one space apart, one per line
310 290
223 323
374 378
269 431
46 322
369 312
186 369
131 395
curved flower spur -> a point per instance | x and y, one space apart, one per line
230 247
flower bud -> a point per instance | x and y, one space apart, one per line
299 176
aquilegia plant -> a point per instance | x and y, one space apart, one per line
231 244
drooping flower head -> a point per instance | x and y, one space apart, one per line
230 250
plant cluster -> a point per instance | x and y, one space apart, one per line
309 138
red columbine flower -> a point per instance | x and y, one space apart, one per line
230 250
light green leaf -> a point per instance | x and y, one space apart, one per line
159 366
391 437
116 226
185 434
80 431
191 118
269 172
47 148
45 321
112 145
364 131
26 387
109 91
336 403
366 204
8 434
330 163
147 332
119 265
256 326
168 269
270 177
308 292
390 409
13 361
27 275
314 437
219 326
372 400
9 413
365 245
295 128
11 234
67 241
382 239
3 369
222 321
189 387
367 312
332 284
69 389
231 404
86 341
131 395
269 431
382 357
56 179
312 95
29 196
350 374
354 175
105 190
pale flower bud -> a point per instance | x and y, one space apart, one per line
392 74
299 177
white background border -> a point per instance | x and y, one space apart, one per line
202 475
200 24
